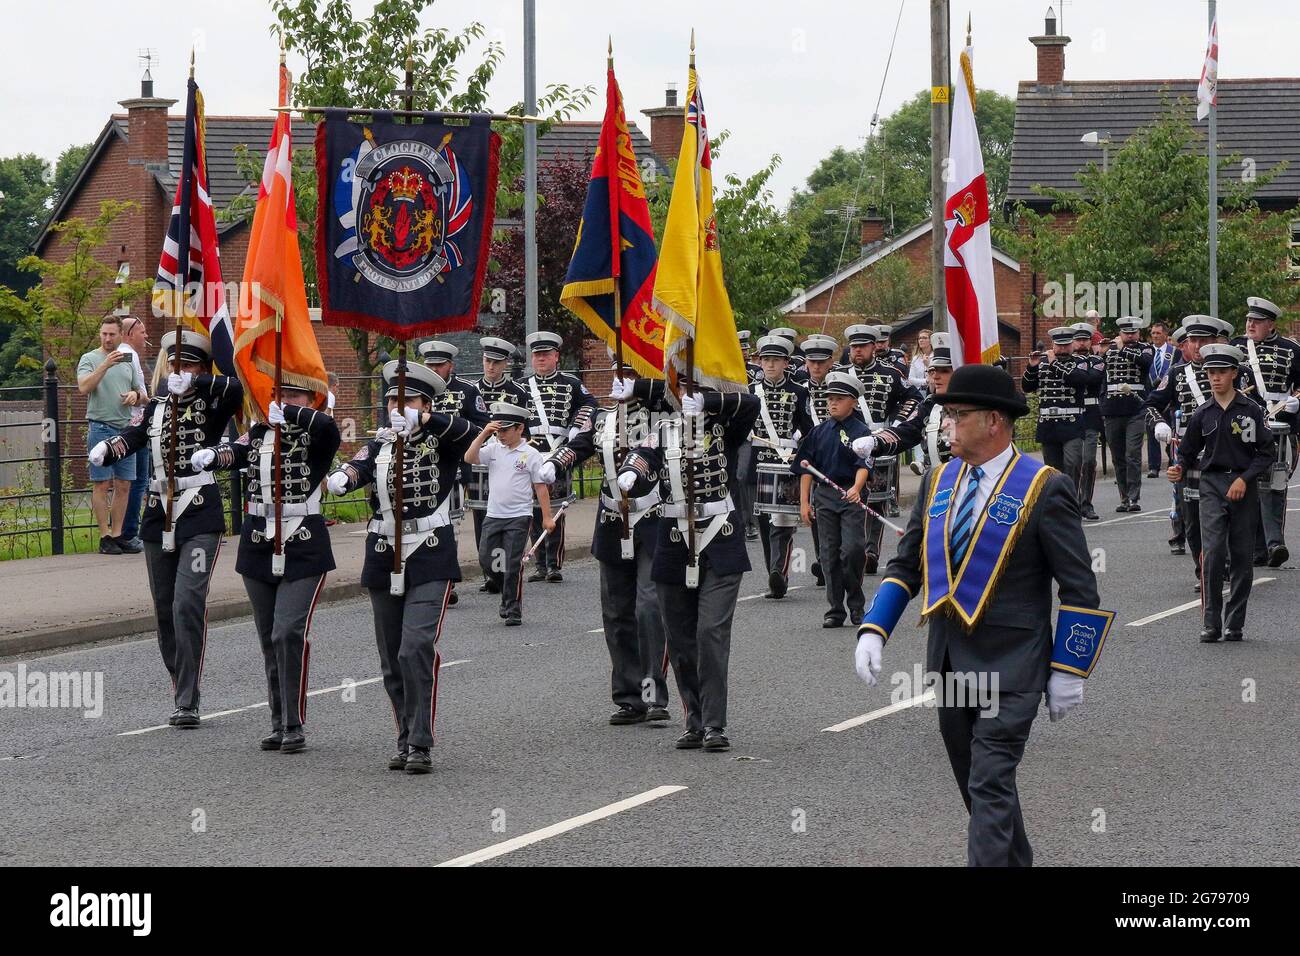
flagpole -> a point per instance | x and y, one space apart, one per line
691 557
620 408
939 113
178 300
277 560
399 444
1214 189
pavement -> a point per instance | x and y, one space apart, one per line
1182 753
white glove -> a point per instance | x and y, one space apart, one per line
866 659
385 434
178 383
547 472
403 421
337 483
620 389
627 480
693 404
329 401
275 414
1291 404
864 446
98 453
1064 693
202 458
1163 432
797 436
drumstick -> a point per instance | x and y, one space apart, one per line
541 537
808 467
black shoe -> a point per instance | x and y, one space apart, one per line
294 741
657 713
1210 637
817 574
1090 513
109 545
418 760
1121 507
691 740
1134 506
1197 587
490 587
829 621
715 739
514 620
502 613
1233 636
187 717
1153 474
129 545
627 714
1261 561
1277 555
538 575
398 760
272 740
1177 547
776 585
452 598
873 560
893 510
554 577
751 534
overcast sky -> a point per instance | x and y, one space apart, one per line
791 78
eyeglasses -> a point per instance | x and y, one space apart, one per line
953 416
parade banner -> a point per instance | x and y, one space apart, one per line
616 216
404 222
273 291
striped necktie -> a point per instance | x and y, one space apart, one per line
964 524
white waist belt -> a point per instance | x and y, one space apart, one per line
1125 389
438 519
159 485
296 510
1092 401
703 509
633 504
1058 412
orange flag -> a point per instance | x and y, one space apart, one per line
272 291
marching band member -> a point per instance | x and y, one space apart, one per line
283 591
1128 361
819 359
796 366
180 561
696 451
987 593
409 605
746 478
1060 378
1092 421
561 408
1271 377
923 427
1229 443
783 419
836 519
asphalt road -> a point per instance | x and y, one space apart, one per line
1181 754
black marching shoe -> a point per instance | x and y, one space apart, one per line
132 545
272 740
451 596
817 574
1154 474
514 620
398 760
490 587
1090 513
873 561
293 741
657 713
187 717
831 621
554 577
1177 547
109 545
1134 506
538 575
691 740
1233 636
776 585
1197 586
751 534
1209 636
715 739
418 760
626 714
1277 555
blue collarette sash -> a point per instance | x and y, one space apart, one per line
996 530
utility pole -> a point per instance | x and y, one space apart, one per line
530 167
1214 200
939 95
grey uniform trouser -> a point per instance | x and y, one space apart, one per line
1124 438
778 544
699 643
1067 458
1227 532
282 615
634 633
843 538
501 553
1088 466
1272 516
407 628
1187 524
179 584
984 752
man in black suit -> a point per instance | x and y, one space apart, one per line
1001 526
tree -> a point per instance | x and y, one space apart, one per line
1144 221
65 171
891 288
25 182
895 179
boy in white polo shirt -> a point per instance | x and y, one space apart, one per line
516 471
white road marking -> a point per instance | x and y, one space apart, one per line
751 597
1182 607
311 693
555 829
882 712
1136 514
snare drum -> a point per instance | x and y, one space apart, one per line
561 490
457 510
1283 456
476 491
778 489
884 471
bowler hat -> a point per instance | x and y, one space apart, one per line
984 386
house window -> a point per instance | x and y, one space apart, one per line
124 268
1293 251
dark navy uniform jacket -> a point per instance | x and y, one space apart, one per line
1235 439
829 447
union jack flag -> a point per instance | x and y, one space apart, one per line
195 291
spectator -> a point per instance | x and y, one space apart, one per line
920 362
333 379
1160 364
135 338
106 376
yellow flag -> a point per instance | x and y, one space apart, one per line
689 291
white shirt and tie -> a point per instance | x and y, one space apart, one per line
993 469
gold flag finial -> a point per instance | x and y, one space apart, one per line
282 49
610 59
968 28
191 63
692 46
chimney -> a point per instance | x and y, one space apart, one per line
146 153
1051 52
873 228
667 124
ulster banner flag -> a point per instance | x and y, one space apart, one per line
968 242
617 217
404 222
273 285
